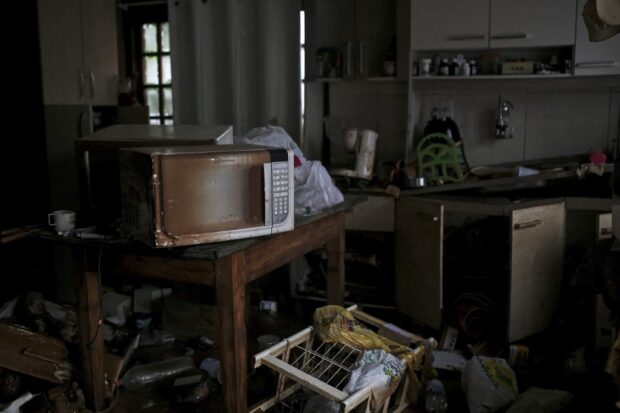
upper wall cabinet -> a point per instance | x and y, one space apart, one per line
449 24
478 24
595 58
532 23
79 56
353 39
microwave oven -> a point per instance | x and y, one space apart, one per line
97 157
186 195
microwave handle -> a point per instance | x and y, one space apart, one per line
268 200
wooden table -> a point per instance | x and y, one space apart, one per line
227 266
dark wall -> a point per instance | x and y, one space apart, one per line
23 172
24 198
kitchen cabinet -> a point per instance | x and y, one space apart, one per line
362 35
449 24
595 58
79 56
480 24
532 23
521 277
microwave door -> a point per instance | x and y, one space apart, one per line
213 192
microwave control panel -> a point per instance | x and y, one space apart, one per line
279 173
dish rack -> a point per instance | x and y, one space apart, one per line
306 366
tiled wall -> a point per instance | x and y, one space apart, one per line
551 118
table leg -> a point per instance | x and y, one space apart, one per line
232 339
90 333
335 267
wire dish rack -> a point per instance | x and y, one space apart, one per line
307 367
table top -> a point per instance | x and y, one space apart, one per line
210 251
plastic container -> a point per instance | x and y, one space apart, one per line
435 398
146 376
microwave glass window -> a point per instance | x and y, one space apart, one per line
221 193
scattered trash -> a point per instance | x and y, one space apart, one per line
205 342
156 338
378 370
541 401
435 399
143 298
266 341
489 384
191 389
116 307
144 377
212 366
14 407
270 307
448 360
518 355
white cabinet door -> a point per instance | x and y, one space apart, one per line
60 36
537 255
449 24
595 58
532 23
100 51
79 55
419 260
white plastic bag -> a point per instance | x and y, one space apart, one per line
273 136
489 384
314 189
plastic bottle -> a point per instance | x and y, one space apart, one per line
444 68
144 376
435 398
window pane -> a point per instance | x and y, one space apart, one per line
155 121
168 122
166 71
165 37
151 96
167 101
149 37
151 70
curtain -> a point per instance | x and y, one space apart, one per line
236 62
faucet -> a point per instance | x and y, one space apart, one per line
503 130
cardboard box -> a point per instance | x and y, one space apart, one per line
518 68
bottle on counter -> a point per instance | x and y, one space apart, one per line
454 67
466 69
444 68
425 67
435 397
473 68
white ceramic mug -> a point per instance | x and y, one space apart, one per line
63 220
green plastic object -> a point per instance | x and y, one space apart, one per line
439 159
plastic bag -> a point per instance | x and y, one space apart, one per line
489 384
273 136
378 370
314 189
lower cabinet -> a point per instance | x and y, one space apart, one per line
455 255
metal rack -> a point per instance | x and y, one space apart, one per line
306 367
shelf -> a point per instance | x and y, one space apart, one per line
492 77
368 79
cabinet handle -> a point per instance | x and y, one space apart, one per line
81 82
349 65
361 57
92 84
428 217
529 224
465 37
510 36
597 64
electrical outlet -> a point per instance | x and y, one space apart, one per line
446 108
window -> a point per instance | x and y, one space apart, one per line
157 72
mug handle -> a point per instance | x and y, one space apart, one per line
50 218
